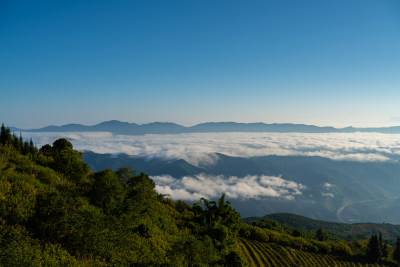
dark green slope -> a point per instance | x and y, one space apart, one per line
55 211
338 230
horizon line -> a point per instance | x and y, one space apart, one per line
209 122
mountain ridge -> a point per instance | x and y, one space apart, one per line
119 127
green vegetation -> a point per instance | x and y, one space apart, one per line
332 230
256 253
274 247
55 211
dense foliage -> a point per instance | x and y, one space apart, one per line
272 254
333 230
54 209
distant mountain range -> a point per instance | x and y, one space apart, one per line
118 127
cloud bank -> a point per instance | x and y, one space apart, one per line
200 148
211 187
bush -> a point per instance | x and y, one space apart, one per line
234 259
340 248
17 197
253 233
323 247
18 249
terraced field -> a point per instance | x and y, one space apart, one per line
270 254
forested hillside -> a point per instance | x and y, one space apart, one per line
55 211
337 230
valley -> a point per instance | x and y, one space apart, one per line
341 191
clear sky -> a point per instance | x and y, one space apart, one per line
315 62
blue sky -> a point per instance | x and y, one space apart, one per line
315 62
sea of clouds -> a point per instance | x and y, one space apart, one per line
200 149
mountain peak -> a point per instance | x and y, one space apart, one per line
112 123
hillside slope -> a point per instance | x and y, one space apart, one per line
263 254
55 211
338 230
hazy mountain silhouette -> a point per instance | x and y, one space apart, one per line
119 127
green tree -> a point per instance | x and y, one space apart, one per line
107 191
380 239
396 252
66 160
17 142
5 135
52 211
220 220
125 174
234 259
20 143
270 224
385 251
296 233
142 187
319 235
62 144
32 147
46 150
373 250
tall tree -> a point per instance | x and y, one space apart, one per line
5 135
373 250
380 247
396 252
385 251
107 191
66 160
319 235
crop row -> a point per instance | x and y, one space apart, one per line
271 254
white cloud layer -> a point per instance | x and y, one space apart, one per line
211 187
327 195
327 186
200 148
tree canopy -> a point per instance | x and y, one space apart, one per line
53 206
